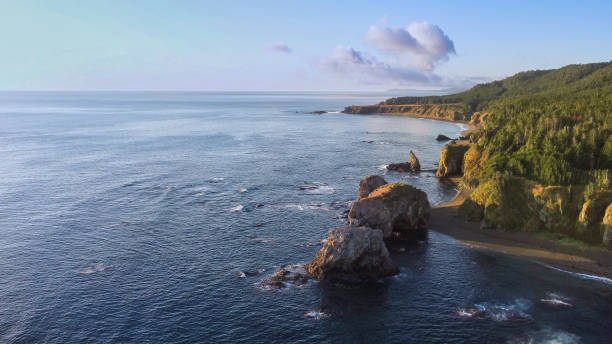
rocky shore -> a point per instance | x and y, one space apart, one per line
383 212
454 158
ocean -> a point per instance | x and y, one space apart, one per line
151 217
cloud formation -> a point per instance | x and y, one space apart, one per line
279 46
350 62
412 53
422 44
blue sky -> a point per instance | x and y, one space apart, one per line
291 45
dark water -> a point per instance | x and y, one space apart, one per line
128 218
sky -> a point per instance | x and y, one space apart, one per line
292 45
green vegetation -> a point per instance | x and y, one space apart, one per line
543 152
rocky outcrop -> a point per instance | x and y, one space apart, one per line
369 184
352 255
478 117
606 227
442 138
449 112
591 216
415 165
292 275
401 211
451 160
409 166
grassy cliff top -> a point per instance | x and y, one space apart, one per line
565 80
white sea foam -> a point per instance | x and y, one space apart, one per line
217 179
316 188
515 311
547 335
556 299
382 167
301 206
236 209
93 269
582 275
556 302
243 190
261 240
316 315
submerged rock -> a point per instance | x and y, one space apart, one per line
442 138
369 184
352 255
292 275
400 167
451 160
401 211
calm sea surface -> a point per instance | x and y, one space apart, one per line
151 218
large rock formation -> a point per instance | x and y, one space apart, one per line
369 184
606 227
352 255
415 165
592 214
442 138
399 210
451 160
409 166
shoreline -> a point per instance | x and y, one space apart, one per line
570 259
471 127
554 255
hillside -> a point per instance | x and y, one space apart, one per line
542 159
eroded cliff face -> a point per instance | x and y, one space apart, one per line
592 215
606 227
449 112
514 203
451 160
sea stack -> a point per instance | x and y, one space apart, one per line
352 255
451 160
409 166
415 165
399 210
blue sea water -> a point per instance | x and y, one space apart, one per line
152 217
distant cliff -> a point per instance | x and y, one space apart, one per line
448 112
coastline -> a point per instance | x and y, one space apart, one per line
549 253
572 259
471 127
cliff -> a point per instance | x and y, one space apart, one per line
451 160
447 112
541 159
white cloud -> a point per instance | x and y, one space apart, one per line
422 45
279 46
412 53
347 61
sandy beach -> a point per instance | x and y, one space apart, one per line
589 261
